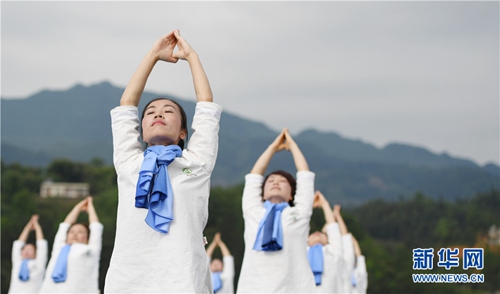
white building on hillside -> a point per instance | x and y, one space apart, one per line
50 189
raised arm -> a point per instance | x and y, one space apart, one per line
357 249
298 157
211 247
320 201
23 237
73 214
93 218
38 228
200 80
161 50
277 145
340 220
223 248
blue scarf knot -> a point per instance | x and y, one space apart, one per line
24 272
216 281
315 256
61 267
270 231
154 190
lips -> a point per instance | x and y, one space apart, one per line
156 122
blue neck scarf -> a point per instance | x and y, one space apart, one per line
270 231
24 272
315 256
154 191
216 281
61 267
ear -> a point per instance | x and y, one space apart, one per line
183 134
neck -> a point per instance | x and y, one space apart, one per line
275 199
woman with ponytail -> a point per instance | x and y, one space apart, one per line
163 191
277 210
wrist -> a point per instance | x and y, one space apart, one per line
152 56
193 56
271 149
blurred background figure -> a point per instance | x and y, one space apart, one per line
28 260
74 263
347 252
360 275
222 270
325 251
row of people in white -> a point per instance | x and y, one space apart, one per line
282 265
147 258
82 261
339 250
337 276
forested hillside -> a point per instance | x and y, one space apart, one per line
387 231
350 171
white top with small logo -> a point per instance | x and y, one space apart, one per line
146 261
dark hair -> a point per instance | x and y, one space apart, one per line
86 226
183 117
34 245
291 180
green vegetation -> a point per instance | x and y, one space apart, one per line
387 231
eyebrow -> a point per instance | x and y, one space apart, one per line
152 106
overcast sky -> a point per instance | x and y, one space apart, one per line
419 73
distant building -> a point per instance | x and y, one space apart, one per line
50 189
494 235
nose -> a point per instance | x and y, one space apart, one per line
158 115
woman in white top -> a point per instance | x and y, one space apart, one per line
328 278
163 192
28 261
276 260
78 248
222 270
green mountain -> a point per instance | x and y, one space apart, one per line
75 124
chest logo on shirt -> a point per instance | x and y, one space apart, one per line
186 171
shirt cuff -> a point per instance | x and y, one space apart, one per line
124 112
254 178
210 108
305 175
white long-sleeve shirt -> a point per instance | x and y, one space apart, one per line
227 275
286 270
82 274
348 256
361 276
36 268
144 260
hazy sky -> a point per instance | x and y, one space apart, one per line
419 73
